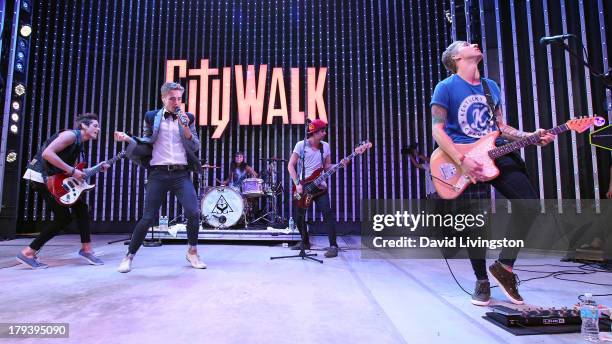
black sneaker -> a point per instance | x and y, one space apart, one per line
482 293
331 252
298 246
507 282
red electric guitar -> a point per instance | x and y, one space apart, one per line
67 190
311 185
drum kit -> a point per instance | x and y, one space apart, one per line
227 206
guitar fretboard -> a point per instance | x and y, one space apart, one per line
530 140
98 167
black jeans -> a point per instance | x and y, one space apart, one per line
62 218
158 184
514 184
329 219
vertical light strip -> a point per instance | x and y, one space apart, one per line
351 112
280 167
343 73
502 81
118 90
34 141
367 112
119 166
408 174
415 103
383 111
483 30
536 108
107 129
551 78
570 95
468 24
422 87
517 76
454 19
52 86
59 74
396 153
132 192
426 135
95 96
380 145
359 168
589 98
446 41
69 83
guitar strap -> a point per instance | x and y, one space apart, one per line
490 103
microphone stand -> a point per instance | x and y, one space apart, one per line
606 79
303 253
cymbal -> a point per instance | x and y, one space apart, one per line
210 166
272 159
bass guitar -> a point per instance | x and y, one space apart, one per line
311 186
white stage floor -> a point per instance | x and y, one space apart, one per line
244 297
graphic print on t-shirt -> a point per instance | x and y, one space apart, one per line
474 117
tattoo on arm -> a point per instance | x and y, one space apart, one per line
506 130
438 114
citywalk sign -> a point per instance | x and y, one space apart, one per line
209 93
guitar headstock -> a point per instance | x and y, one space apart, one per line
363 146
583 123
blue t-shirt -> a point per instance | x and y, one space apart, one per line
468 116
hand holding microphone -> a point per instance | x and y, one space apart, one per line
181 116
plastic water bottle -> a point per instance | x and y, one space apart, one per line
291 224
590 318
163 224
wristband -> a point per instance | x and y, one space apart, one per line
296 182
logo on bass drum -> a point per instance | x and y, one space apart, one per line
474 117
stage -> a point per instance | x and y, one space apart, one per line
244 297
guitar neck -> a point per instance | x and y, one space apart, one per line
98 167
530 140
332 170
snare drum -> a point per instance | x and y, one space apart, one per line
222 207
252 187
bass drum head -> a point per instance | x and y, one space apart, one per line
222 207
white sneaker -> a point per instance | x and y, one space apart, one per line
126 264
195 261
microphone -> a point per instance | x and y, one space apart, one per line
553 39
179 113
308 121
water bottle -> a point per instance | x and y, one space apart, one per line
590 318
163 224
291 224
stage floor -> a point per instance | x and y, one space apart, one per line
244 297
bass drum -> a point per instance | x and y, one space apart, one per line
222 207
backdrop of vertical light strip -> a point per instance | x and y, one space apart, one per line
383 60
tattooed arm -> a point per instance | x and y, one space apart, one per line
508 132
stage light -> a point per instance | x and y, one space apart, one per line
25 5
11 156
15 117
20 56
16 106
22 44
19 67
25 30
14 129
20 89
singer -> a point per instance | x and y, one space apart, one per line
168 149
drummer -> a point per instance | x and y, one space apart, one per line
239 171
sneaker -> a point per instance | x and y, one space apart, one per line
331 252
32 263
299 244
482 293
507 282
126 264
90 258
195 261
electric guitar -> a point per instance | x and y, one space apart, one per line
67 190
311 185
450 182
